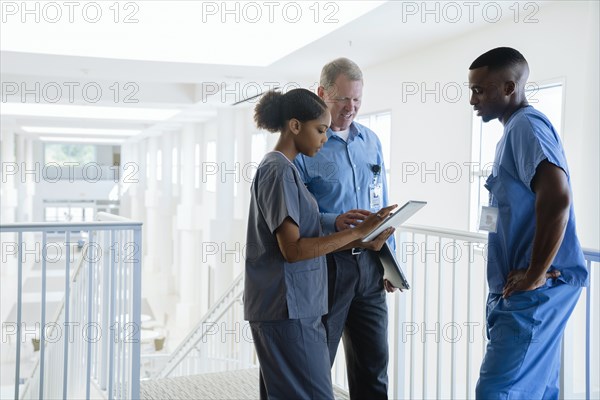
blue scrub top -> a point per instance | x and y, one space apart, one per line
273 288
529 138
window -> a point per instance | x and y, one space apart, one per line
159 165
197 166
381 124
147 165
68 213
62 153
211 163
547 99
237 167
174 167
259 147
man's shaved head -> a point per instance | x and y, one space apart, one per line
497 81
506 62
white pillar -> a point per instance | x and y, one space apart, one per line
8 191
244 130
221 227
27 189
152 230
134 170
164 211
192 274
9 197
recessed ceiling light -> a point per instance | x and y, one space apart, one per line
94 112
80 131
80 140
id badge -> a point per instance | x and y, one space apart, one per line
488 220
375 196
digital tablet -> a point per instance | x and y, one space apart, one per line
391 269
394 220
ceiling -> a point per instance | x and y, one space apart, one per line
197 89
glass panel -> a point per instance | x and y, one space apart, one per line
211 158
174 167
61 153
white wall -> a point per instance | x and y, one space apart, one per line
562 45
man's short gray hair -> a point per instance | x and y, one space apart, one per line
335 68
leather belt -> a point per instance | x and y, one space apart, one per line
356 251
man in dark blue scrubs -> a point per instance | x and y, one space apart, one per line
535 266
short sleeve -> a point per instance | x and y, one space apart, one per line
277 195
535 140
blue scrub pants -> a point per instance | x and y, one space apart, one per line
294 359
358 309
522 360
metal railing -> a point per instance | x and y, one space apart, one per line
437 329
437 333
91 348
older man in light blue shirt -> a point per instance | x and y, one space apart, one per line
347 177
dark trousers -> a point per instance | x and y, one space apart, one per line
358 313
293 359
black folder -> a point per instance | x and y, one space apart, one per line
391 269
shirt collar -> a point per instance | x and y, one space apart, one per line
356 130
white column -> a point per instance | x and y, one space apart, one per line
222 226
192 274
8 191
134 169
152 230
244 130
164 212
26 196
9 197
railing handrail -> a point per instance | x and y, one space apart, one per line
592 255
430 230
104 216
66 226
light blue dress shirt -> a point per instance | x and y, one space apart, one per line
340 174
529 138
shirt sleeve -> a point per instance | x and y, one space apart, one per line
277 195
534 141
328 223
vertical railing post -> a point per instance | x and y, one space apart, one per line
43 323
89 299
106 300
111 318
453 317
67 310
19 309
137 307
588 307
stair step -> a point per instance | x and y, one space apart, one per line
238 385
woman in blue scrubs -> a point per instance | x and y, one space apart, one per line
285 292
